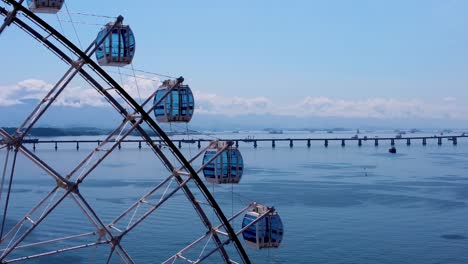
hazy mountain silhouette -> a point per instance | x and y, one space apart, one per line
106 117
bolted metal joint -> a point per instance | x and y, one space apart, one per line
77 63
130 117
101 233
62 184
72 187
9 19
116 240
120 19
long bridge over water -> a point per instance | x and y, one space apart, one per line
359 141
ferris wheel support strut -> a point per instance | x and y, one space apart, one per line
11 15
152 125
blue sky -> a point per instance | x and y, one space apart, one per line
331 58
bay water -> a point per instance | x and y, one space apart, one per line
338 204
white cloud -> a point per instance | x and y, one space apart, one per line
209 103
216 104
450 99
72 96
381 108
141 87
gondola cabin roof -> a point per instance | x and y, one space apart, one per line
45 6
223 163
174 103
266 232
116 45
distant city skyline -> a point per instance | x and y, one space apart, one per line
384 62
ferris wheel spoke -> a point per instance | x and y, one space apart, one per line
153 207
146 196
124 254
88 166
101 148
172 259
35 159
7 198
205 236
27 217
35 224
11 15
53 252
48 99
162 199
4 173
140 201
44 166
111 252
102 229
92 216
55 240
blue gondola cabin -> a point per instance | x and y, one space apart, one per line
45 6
267 232
116 45
223 163
174 103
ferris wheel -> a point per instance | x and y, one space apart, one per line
173 102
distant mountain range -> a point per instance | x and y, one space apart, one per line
92 120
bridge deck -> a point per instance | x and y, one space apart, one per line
326 140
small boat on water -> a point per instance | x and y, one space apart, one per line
276 132
392 150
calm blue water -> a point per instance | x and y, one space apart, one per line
338 205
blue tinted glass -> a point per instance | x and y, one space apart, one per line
159 110
131 43
208 171
250 234
175 103
100 50
115 44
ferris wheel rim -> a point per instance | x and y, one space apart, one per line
147 118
